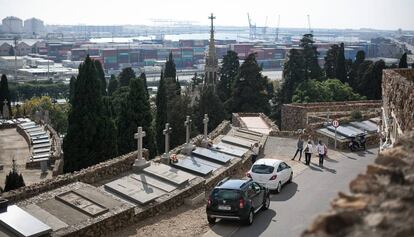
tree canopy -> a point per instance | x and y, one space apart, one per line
228 73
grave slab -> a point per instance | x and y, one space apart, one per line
36 129
22 223
134 190
44 216
230 149
81 203
365 125
41 141
169 174
156 182
42 150
257 134
41 155
212 155
40 137
35 134
41 145
237 141
29 127
247 136
192 164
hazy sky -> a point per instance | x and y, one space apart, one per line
378 14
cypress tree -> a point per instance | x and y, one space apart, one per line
353 74
228 73
101 76
5 94
170 71
125 76
72 89
113 85
136 111
90 138
176 117
403 61
210 104
310 54
161 114
249 91
340 64
293 75
331 61
144 80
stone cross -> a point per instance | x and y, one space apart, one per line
205 122
166 133
139 136
187 125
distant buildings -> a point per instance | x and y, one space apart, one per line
34 26
12 25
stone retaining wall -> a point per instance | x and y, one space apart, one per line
24 134
5 126
238 122
294 115
381 200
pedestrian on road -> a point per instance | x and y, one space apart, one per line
308 152
321 152
299 148
255 150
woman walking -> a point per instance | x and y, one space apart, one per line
321 152
308 152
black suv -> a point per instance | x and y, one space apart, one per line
237 199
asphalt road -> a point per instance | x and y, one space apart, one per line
309 194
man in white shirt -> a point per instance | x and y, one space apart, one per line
255 150
321 152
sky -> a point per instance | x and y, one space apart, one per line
339 14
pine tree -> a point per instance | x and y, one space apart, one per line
113 85
310 54
228 73
125 76
5 94
90 138
340 64
403 61
144 79
331 61
101 76
161 114
210 104
135 112
249 91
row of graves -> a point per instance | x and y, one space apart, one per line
80 209
39 143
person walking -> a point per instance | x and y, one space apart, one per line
299 148
308 152
321 152
255 150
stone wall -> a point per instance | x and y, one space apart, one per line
381 200
397 91
24 134
294 115
104 170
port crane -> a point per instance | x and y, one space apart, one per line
277 28
252 28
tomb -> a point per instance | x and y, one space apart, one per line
169 174
237 141
212 155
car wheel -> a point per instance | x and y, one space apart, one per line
279 188
250 218
290 178
211 220
266 203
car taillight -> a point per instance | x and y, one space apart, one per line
248 175
209 202
273 177
241 203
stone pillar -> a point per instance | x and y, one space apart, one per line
140 163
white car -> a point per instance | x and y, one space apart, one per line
271 173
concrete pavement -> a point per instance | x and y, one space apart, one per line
301 201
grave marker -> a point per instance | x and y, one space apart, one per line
140 162
166 132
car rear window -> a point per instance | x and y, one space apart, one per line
226 194
263 169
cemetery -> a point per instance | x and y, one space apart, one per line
128 189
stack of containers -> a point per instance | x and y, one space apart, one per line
110 58
78 54
187 57
242 50
177 56
162 53
199 53
221 50
123 55
149 56
134 58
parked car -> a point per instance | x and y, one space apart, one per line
237 199
271 173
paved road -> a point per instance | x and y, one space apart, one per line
299 203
